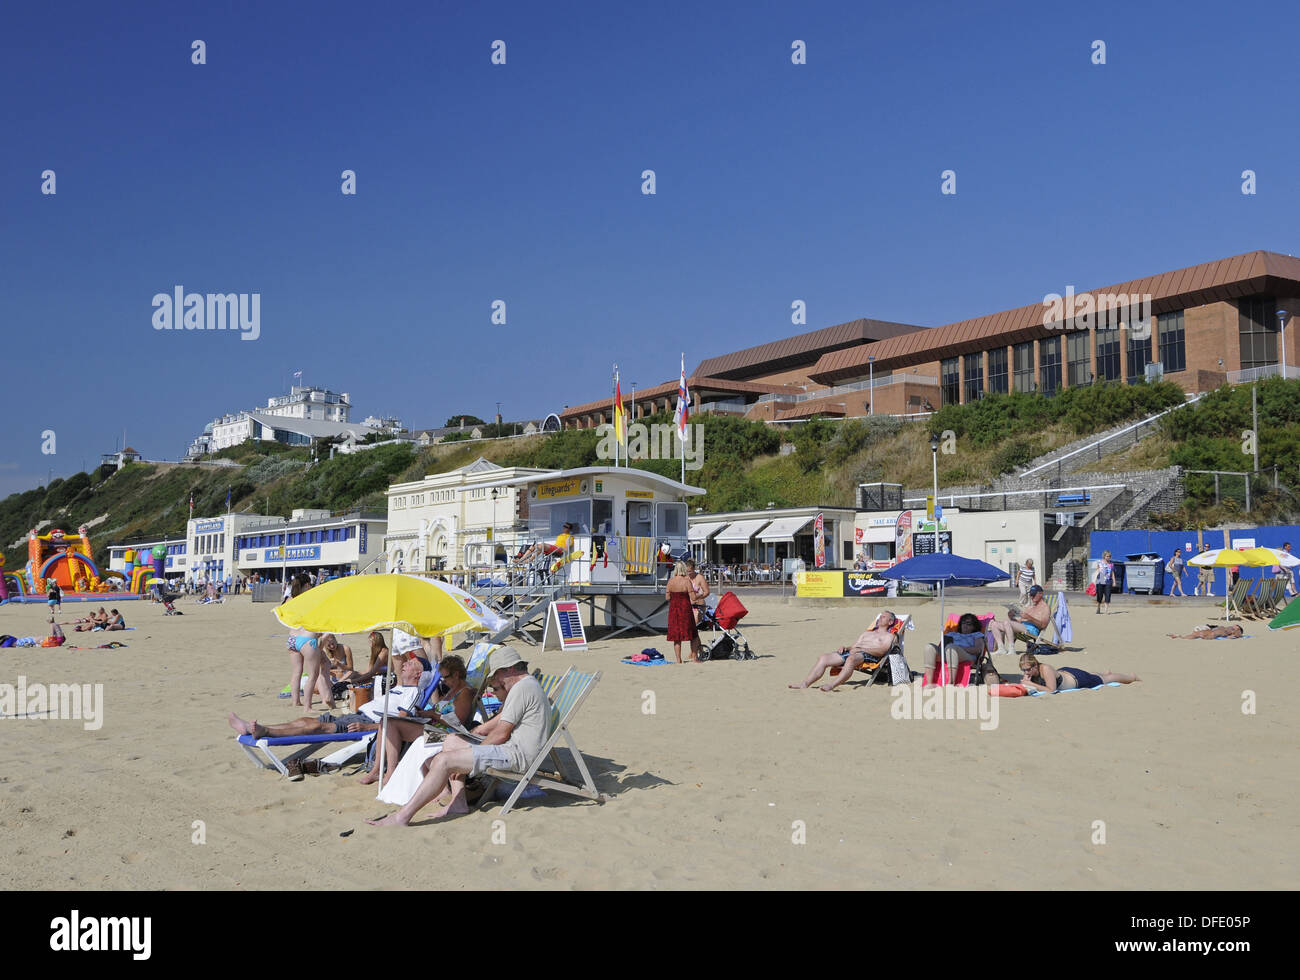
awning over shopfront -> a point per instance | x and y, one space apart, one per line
739 532
699 533
784 528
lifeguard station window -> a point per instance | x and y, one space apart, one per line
602 516
672 520
640 519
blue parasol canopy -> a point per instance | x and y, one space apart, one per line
946 569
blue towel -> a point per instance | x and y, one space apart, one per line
1039 694
645 663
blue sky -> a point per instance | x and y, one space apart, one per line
522 182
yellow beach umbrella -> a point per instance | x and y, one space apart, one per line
1271 556
1227 557
361 603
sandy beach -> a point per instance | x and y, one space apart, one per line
708 791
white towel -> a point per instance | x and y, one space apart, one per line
1063 628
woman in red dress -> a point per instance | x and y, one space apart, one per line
681 617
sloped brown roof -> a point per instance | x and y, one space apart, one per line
1224 279
693 383
804 348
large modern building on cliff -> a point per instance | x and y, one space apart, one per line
1230 320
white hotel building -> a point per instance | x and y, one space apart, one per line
435 523
215 547
306 413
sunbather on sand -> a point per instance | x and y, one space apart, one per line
871 645
94 620
116 622
413 686
1041 677
338 657
1211 632
457 699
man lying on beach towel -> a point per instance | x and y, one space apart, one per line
414 684
1211 632
1041 677
871 645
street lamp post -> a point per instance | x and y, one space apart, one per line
871 384
492 535
934 454
1281 325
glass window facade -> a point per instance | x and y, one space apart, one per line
974 377
950 379
1078 358
1108 355
1139 353
998 371
1022 356
1049 364
1257 324
1173 341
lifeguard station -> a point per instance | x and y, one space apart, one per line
627 522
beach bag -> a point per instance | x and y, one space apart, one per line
899 671
7 640
1169 566
1092 588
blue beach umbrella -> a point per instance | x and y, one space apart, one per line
941 569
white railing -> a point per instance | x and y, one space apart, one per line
1259 373
892 379
1044 491
737 407
1114 435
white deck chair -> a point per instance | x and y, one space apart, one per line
566 698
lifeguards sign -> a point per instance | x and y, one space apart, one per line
558 488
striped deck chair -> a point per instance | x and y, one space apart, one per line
566 698
1237 599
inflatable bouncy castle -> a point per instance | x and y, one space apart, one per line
56 557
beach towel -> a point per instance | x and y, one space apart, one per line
1063 628
644 661
1038 694
638 554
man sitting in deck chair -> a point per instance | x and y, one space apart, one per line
510 741
874 644
414 683
1028 624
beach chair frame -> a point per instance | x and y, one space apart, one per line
307 744
1237 599
568 697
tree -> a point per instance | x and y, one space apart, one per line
458 420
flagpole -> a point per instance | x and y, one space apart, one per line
683 441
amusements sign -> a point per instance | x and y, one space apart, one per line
819 542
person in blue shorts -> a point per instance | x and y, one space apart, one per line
1042 677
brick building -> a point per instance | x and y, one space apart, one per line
1199 327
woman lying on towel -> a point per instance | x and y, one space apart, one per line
455 698
1211 632
1041 677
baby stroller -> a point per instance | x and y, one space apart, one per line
729 642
